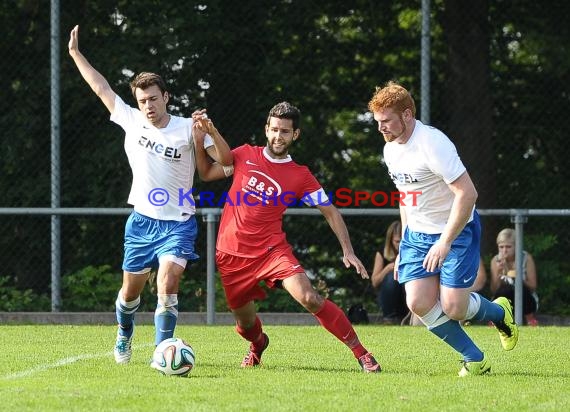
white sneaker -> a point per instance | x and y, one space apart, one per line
123 349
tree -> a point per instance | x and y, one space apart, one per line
468 108
499 78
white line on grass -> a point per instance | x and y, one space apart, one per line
63 362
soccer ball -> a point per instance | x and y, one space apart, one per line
174 357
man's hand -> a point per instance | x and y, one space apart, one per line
501 264
350 259
203 123
436 255
73 45
198 131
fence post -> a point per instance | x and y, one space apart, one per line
519 219
55 160
426 62
210 218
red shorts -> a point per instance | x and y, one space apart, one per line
241 276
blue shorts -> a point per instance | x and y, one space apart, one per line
459 269
147 239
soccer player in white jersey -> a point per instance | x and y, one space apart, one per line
439 250
161 231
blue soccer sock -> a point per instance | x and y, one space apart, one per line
125 312
482 309
451 332
165 317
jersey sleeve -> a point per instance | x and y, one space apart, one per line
313 193
123 114
316 198
443 159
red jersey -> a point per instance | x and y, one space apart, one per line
261 190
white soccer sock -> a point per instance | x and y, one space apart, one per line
434 317
474 305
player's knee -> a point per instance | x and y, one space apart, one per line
311 301
415 306
420 306
454 311
125 297
127 305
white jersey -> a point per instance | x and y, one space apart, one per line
426 163
162 162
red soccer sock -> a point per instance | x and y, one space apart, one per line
333 319
253 334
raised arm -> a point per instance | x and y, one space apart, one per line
220 151
207 170
94 79
336 222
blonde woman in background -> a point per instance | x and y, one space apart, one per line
390 295
503 274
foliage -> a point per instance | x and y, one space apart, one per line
94 289
529 67
14 299
553 280
90 289
237 59
554 287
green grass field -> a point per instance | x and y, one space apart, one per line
71 368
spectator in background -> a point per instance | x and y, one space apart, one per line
503 274
390 295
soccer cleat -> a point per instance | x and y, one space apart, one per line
369 364
254 358
508 329
475 368
123 349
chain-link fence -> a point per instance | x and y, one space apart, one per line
498 89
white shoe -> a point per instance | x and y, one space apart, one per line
123 349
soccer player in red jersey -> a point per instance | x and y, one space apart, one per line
251 245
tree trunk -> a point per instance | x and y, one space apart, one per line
468 101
